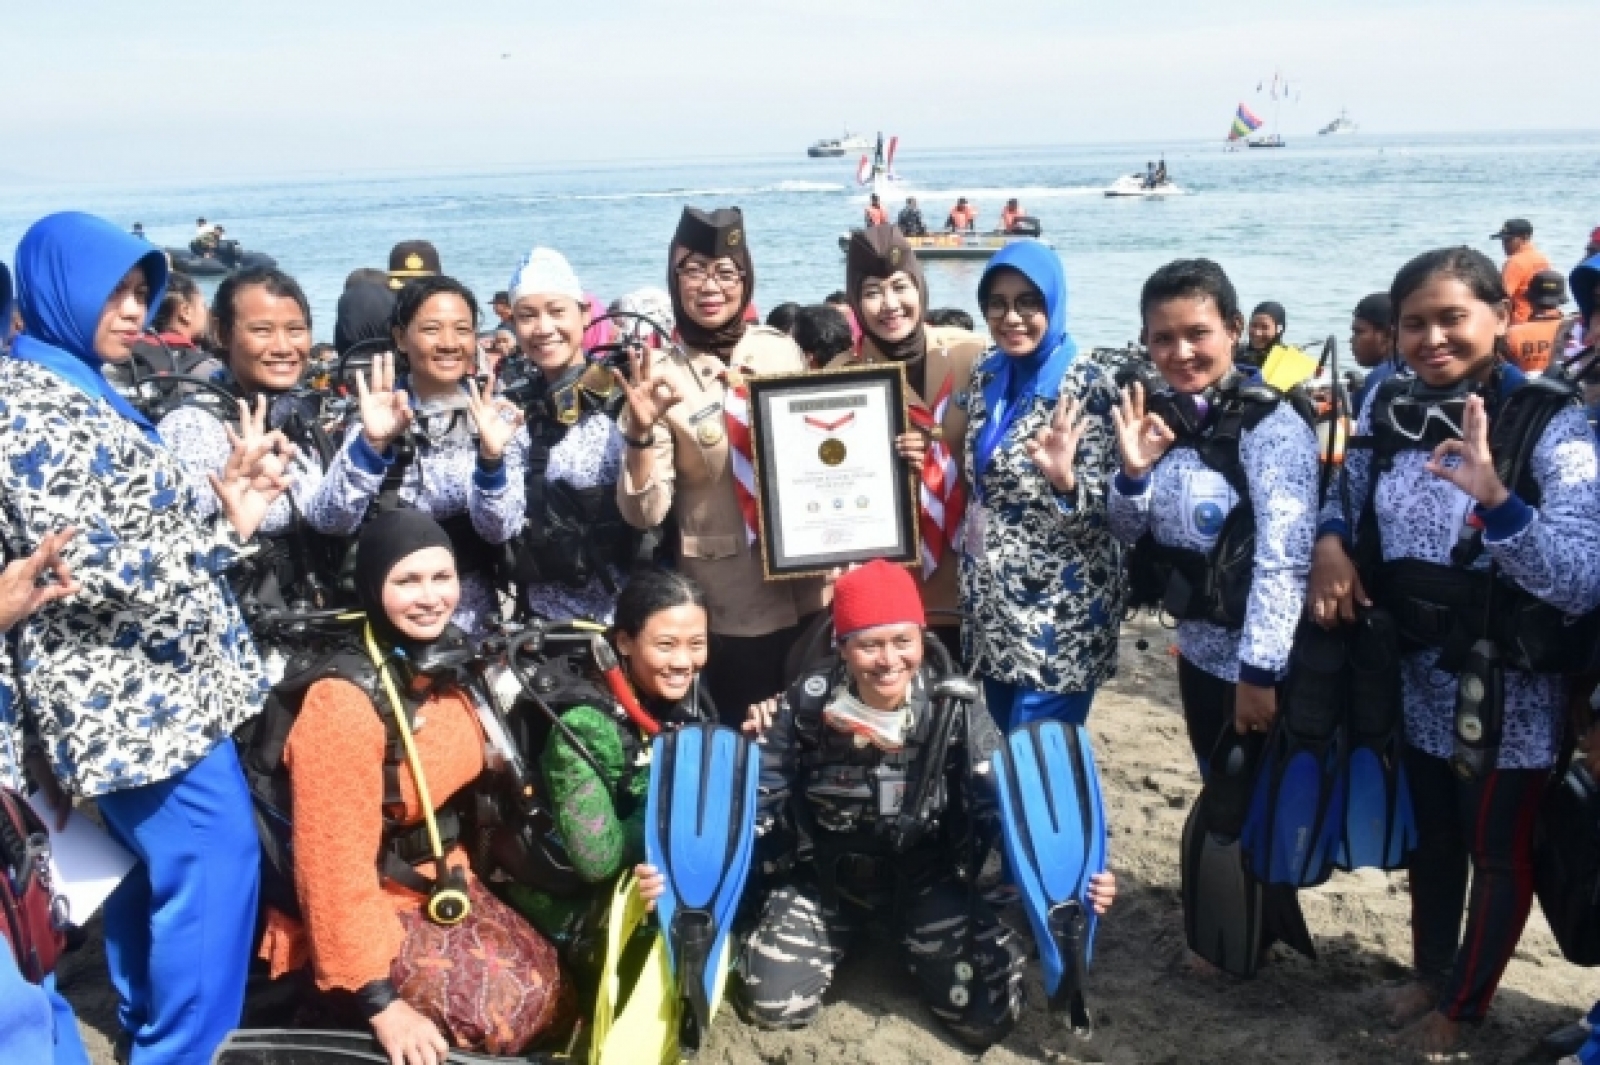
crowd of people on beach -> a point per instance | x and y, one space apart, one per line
244 568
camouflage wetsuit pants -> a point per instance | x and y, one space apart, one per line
972 983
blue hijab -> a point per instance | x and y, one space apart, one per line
68 265
1019 378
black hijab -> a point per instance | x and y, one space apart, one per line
364 312
1276 312
718 235
882 251
385 542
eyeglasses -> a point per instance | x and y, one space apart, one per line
695 274
1026 305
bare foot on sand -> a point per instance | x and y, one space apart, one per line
1433 1034
1410 1000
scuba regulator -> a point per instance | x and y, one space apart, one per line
448 903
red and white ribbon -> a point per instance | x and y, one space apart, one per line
943 502
736 416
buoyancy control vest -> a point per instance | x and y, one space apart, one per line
847 815
1214 585
573 535
296 567
261 742
1448 607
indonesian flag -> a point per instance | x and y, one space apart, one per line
943 503
736 416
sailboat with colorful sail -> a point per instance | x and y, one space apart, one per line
1245 123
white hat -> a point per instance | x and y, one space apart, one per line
653 303
545 272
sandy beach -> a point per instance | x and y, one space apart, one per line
1149 1008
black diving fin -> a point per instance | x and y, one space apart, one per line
1222 902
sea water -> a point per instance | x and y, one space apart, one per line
1315 226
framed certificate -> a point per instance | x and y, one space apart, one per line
830 487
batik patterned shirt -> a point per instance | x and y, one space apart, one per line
1183 502
1041 574
1551 551
139 675
442 480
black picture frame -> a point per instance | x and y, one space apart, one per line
878 383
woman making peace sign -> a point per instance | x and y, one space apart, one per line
1041 576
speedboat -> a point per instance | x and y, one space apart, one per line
1136 185
1271 140
958 246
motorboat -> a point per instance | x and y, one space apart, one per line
1342 124
1271 140
935 247
224 259
1138 186
833 147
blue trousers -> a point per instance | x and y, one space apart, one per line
1012 707
179 930
36 1023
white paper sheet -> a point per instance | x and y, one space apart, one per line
86 864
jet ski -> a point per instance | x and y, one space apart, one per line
1136 185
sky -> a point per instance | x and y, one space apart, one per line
175 90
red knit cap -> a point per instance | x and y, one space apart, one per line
878 593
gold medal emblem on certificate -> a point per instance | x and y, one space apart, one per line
832 451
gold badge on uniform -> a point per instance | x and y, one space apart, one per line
707 422
894 256
832 451
413 261
734 237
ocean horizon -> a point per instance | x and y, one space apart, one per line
1315 225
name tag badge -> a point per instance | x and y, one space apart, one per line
977 523
1206 502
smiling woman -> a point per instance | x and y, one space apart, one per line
153 641
1041 576
439 441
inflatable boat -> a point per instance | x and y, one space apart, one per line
216 264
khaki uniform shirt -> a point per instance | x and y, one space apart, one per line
693 480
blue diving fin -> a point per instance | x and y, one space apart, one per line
1380 829
699 831
1297 812
1053 822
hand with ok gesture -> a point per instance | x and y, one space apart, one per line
385 410
496 417
649 396
1142 437
1054 449
1473 469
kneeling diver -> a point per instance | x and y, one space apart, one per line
871 802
